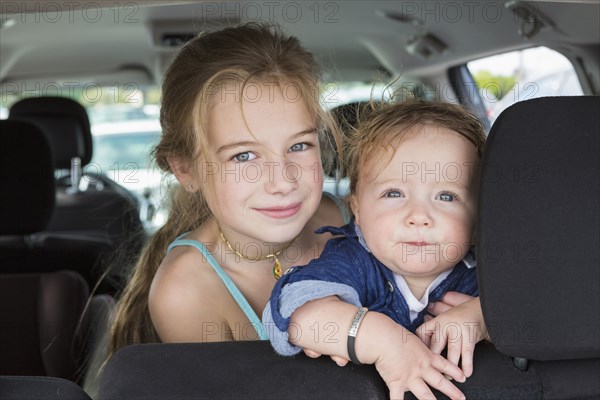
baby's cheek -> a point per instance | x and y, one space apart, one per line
453 252
461 241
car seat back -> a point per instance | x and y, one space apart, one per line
539 229
42 329
39 388
40 315
98 203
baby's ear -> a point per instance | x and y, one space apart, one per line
355 208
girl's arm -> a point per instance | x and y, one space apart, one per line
402 360
185 301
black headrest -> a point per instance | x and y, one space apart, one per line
539 229
205 371
27 175
64 121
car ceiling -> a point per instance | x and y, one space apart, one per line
355 40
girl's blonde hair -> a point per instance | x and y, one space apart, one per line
250 52
384 125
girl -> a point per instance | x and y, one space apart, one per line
242 127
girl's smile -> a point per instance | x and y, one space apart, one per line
280 211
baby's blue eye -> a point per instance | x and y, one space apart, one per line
394 194
446 197
299 147
243 157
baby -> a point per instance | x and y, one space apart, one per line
413 170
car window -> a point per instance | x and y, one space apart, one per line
124 149
507 78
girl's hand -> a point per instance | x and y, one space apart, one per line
459 325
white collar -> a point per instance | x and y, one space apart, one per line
415 306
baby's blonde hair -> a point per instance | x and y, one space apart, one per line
384 125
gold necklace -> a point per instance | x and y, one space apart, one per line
276 265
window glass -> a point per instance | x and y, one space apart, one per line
122 152
507 78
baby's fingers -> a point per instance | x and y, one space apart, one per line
438 307
420 389
454 350
447 368
439 382
312 354
467 358
396 391
437 343
340 361
424 333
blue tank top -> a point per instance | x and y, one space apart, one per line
231 287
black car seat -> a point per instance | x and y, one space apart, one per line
28 205
89 206
48 324
40 318
205 371
539 241
40 312
39 388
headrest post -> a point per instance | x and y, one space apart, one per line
75 175
520 363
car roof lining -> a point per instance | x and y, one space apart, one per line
110 48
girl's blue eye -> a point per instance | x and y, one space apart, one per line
394 194
446 197
299 147
243 157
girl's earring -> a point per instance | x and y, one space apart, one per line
190 187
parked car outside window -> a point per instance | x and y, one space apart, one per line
122 153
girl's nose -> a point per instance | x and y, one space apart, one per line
282 178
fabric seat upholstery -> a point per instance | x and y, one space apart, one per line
40 315
39 388
42 329
538 240
205 371
539 229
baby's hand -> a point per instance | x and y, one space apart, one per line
411 367
459 325
404 362
341 361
